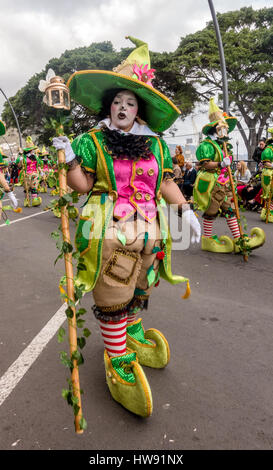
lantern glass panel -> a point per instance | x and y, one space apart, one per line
55 96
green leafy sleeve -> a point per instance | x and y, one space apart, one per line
267 154
205 151
84 148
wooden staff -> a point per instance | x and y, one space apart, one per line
70 290
26 180
235 198
268 202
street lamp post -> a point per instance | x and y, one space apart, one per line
15 117
237 153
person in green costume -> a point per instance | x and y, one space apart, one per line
4 186
126 169
30 163
212 190
267 179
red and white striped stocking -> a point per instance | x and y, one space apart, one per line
131 317
114 336
271 206
234 226
207 226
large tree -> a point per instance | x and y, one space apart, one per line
36 117
247 36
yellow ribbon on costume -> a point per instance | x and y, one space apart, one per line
188 291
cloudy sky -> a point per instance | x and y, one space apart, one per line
34 31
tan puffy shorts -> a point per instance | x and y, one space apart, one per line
124 265
221 198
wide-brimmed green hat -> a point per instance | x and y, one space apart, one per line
216 115
30 145
87 87
2 128
44 152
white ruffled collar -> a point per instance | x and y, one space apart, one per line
137 129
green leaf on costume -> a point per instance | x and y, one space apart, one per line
7 222
150 276
162 202
146 237
103 198
121 237
156 249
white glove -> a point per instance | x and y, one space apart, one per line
191 219
13 199
226 162
63 143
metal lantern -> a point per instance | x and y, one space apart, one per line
57 94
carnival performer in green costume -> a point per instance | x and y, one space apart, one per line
212 190
4 186
30 163
123 234
43 170
267 179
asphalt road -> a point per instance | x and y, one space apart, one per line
216 392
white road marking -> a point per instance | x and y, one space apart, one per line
23 218
17 370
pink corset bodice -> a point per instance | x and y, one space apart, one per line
31 166
136 185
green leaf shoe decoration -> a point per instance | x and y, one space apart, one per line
263 215
151 346
128 384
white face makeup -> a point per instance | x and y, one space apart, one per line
124 109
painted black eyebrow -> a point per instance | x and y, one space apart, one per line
129 98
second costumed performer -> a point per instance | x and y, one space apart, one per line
212 190
267 179
122 234
3 182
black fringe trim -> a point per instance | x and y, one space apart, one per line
121 313
126 146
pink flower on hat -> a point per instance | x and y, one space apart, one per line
144 74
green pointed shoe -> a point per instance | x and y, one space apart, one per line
26 202
256 239
151 346
36 201
223 244
128 384
263 215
